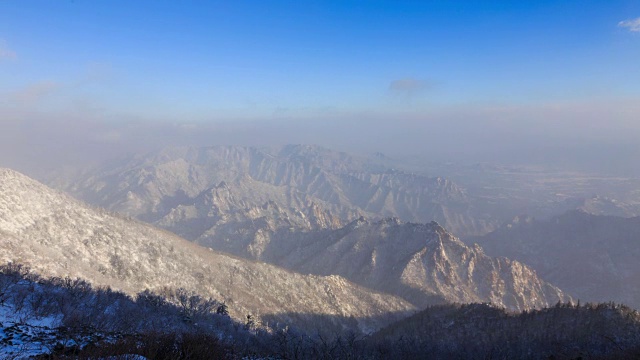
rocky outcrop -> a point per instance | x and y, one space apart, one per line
422 263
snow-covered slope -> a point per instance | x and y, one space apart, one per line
22 338
422 263
59 236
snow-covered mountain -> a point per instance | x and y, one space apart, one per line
192 191
591 257
287 206
422 263
59 236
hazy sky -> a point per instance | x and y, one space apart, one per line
333 72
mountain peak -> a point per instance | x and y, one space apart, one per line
7 174
360 221
393 220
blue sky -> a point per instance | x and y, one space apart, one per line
201 61
480 80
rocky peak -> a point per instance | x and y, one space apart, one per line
360 221
423 263
390 221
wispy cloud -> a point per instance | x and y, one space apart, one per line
96 72
5 52
408 86
35 92
632 25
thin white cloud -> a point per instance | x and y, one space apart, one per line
632 25
408 85
5 52
35 92
96 72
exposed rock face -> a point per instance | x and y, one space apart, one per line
593 258
59 236
180 189
424 264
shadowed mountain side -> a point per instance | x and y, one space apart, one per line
602 331
331 326
593 258
58 236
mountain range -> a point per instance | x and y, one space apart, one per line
327 242
59 236
196 191
391 267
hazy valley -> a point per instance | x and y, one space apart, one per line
591 257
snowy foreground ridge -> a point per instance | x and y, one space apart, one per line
58 236
22 336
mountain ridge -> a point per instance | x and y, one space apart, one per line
422 263
58 236
150 186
